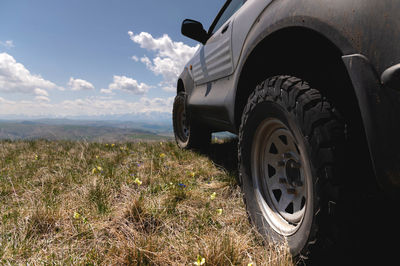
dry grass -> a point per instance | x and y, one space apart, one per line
145 203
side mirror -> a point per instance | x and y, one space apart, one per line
194 30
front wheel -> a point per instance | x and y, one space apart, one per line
187 134
290 144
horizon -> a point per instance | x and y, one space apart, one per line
164 117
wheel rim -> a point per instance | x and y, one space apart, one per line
281 176
183 128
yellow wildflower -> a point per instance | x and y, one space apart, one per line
213 195
250 264
97 157
106 144
99 168
200 260
219 211
77 215
137 181
192 174
94 170
162 155
36 157
112 145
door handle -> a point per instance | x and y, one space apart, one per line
225 28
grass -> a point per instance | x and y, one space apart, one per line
130 203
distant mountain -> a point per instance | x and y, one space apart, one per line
67 129
153 127
157 122
148 117
92 128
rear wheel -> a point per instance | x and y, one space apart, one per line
187 134
290 147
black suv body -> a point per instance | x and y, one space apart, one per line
349 51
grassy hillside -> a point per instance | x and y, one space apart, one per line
130 203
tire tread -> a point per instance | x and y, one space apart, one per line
323 129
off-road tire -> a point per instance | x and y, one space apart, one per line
188 135
320 130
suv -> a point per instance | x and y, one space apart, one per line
312 89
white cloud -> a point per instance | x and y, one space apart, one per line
40 92
127 84
170 58
7 44
80 85
4 101
145 60
15 78
42 99
91 106
107 91
135 58
99 106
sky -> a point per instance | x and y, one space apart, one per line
80 58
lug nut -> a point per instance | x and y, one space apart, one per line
294 164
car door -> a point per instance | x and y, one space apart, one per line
214 59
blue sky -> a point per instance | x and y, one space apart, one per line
94 57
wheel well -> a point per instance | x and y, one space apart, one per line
180 87
305 54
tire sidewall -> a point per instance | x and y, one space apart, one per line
276 109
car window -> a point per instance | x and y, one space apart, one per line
232 7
